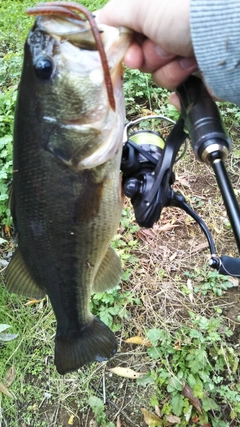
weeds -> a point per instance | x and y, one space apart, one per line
112 307
191 365
208 281
142 96
98 409
7 104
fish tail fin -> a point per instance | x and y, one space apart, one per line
95 342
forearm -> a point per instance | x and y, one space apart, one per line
215 31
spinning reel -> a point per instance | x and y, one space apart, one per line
148 160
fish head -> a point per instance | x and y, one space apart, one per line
64 73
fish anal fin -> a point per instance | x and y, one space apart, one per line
109 273
11 205
11 197
95 342
19 279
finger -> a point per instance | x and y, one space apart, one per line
134 58
154 56
175 101
165 22
108 14
175 72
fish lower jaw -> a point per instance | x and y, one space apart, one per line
105 152
97 159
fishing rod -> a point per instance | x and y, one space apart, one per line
148 160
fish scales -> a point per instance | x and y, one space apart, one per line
66 201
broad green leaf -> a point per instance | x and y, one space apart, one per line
177 403
174 384
96 404
155 335
209 404
147 379
154 353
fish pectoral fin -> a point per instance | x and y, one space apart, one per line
109 273
94 342
89 200
19 279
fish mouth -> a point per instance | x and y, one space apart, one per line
115 40
74 12
72 36
86 54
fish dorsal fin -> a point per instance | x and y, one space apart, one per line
109 273
19 279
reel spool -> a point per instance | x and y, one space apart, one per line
140 157
144 179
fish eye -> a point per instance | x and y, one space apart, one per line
43 68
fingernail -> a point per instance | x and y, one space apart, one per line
187 63
161 52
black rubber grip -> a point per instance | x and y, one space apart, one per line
201 116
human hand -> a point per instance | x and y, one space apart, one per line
162 43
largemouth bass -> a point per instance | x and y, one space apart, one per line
66 201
